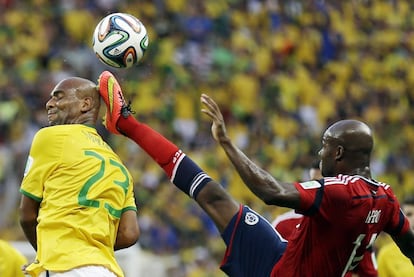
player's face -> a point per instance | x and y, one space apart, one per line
409 212
327 157
63 106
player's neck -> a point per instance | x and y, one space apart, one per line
364 172
86 119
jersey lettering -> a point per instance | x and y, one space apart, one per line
373 216
354 260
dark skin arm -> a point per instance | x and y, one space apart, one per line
259 181
128 230
406 244
29 210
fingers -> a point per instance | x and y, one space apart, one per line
218 128
205 99
23 268
207 112
212 110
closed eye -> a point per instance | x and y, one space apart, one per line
57 95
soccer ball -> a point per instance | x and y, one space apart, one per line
120 40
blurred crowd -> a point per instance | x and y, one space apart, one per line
281 73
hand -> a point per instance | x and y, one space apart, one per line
24 269
218 128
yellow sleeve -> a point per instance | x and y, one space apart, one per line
130 203
130 200
40 163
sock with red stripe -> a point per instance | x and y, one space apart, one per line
180 169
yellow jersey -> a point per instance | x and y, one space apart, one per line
11 261
83 188
393 263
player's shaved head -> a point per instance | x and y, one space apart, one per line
353 135
347 148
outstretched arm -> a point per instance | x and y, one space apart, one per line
259 181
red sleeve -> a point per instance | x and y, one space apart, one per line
319 197
398 224
311 194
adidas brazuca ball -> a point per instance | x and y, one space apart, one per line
120 40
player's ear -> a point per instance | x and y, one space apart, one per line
340 150
86 104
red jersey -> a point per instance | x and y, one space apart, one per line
344 216
286 224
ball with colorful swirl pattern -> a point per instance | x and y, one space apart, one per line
120 40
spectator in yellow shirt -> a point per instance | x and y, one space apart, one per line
11 261
391 262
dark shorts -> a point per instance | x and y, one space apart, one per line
253 245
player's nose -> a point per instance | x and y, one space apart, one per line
50 104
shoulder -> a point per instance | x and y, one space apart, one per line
52 131
44 137
331 183
60 131
342 179
52 137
